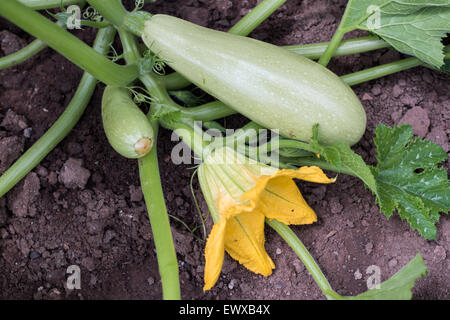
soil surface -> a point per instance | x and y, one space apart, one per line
83 206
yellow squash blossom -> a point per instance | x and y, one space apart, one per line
240 194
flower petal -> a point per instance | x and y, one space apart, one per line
214 254
244 242
311 174
278 197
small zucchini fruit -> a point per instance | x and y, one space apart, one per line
127 128
275 88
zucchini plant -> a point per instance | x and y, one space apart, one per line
316 112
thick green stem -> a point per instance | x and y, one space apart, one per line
49 4
159 220
381 71
294 242
335 40
152 188
209 111
111 10
346 47
22 55
332 47
255 17
67 44
62 126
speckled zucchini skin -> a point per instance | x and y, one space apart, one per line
268 84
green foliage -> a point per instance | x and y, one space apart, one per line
409 179
446 67
341 155
410 26
399 286
152 63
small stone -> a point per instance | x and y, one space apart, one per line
34 255
358 275
232 284
10 43
409 100
28 132
54 293
330 234
392 263
336 206
52 178
109 235
42 171
369 248
397 91
14 122
278 251
396 115
298 266
367 97
93 280
88 263
73 175
94 227
150 281
439 254
376 90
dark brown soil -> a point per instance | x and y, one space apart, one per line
83 206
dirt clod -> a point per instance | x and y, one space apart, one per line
10 149
21 201
73 174
418 119
10 43
14 122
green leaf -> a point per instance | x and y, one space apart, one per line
164 111
408 178
413 27
342 156
446 67
399 286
